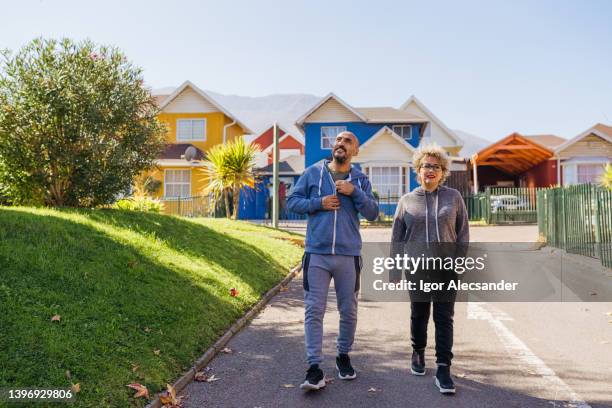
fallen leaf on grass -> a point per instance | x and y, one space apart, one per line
68 375
234 292
132 264
142 391
135 367
56 318
76 387
227 350
147 330
157 352
288 386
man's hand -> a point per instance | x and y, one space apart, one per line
344 187
330 203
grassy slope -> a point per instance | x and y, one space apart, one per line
125 284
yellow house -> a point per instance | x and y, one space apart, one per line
193 119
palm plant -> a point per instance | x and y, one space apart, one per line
606 178
229 167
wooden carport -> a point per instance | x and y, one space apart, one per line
512 155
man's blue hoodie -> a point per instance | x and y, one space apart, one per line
332 232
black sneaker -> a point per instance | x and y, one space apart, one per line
444 381
315 379
344 367
417 367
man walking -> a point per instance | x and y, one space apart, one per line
333 194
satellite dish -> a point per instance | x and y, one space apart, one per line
190 153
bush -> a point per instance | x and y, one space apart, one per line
76 124
145 204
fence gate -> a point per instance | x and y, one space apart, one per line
509 205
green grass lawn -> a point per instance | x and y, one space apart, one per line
126 285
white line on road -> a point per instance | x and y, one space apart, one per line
518 349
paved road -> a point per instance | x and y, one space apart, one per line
507 354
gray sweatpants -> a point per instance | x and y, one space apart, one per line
318 271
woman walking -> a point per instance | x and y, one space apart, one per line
434 217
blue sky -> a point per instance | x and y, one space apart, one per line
485 67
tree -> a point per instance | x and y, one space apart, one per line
76 124
229 167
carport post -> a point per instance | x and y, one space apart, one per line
475 171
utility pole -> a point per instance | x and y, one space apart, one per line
275 182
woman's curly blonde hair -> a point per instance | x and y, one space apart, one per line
431 150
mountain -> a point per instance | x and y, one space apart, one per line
259 113
471 143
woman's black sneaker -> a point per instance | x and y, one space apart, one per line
315 379
444 381
417 366
344 367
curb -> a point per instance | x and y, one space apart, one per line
235 328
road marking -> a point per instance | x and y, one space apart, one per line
519 350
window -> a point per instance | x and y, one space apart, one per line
191 130
589 173
177 183
387 181
404 131
328 135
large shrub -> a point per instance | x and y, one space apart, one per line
76 124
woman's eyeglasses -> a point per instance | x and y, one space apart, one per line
434 167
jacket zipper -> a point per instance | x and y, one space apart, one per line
335 215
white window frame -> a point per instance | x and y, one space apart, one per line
175 183
190 120
340 130
400 133
569 171
404 179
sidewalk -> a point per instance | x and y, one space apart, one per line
492 366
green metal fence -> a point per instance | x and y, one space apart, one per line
477 206
577 219
510 205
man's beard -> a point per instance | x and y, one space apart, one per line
342 159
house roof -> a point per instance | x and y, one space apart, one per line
603 128
434 118
205 96
514 154
549 141
292 165
382 131
388 114
599 129
327 97
159 99
177 151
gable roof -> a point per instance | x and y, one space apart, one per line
292 165
206 97
382 131
388 114
514 154
549 141
432 117
329 96
599 129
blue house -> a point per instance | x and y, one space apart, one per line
387 137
